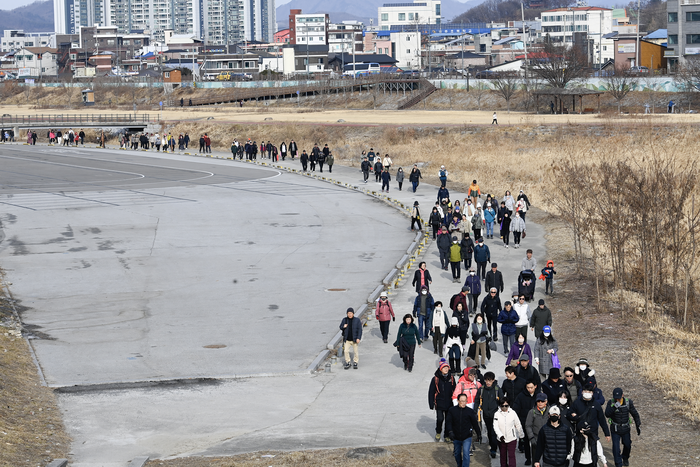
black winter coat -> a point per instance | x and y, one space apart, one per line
523 403
553 390
440 391
494 279
488 399
511 389
466 248
444 241
554 444
591 412
460 422
491 306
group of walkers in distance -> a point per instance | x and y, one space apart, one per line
309 161
166 142
551 413
63 138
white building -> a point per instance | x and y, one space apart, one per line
561 23
342 36
311 29
418 12
15 39
36 62
260 20
70 15
154 16
406 49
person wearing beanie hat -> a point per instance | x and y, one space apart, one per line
455 259
619 411
583 370
541 317
415 217
546 348
444 241
351 327
453 345
384 314
553 386
440 392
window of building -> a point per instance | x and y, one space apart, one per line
605 48
410 16
692 38
167 74
385 16
692 16
672 16
672 39
437 10
402 16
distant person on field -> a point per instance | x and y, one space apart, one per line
495 119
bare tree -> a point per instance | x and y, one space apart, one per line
559 65
619 83
507 86
479 90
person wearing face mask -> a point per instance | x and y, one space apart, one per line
455 259
620 411
477 222
467 249
474 283
588 410
518 350
555 442
482 256
508 430
524 402
444 241
406 339
440 396
438 324
384 314
480 338
587 450
489 397
597 393
564 404
517 226
546 347
541 317
536 419
508 317
422 309
453 346
490 308
582 371
435 221
553 386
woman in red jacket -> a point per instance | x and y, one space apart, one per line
384 314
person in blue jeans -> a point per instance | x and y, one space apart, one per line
460 422
422 309
490 218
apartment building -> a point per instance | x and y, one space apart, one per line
36 62
15 39
683 30
342 37
406 49
70 15
406 14
311 29
561 25
220 22
260 20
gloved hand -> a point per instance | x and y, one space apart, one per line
451 435
639 431
393 318
503 439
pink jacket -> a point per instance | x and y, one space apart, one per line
384 311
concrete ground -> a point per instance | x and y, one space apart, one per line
140 299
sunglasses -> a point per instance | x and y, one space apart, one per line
505 406
568 376
521 299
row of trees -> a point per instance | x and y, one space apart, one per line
635 220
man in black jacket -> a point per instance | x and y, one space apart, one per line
460 422
513 385
440 397
491 307
619 410
352 333
587 409
494 278
527 371
524 402
365 167
488 397
554 442
444 241
553 386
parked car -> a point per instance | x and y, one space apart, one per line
638 69
486 74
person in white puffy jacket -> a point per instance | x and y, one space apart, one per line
509 430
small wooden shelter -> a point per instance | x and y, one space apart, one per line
561 98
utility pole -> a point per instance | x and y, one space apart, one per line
522 12
639 13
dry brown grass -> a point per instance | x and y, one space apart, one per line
31 428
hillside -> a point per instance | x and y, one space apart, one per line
36 17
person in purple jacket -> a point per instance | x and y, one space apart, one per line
519 349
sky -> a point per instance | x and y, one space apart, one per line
12 4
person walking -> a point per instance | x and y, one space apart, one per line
442 175
330 160
474 283
494 278
518 351
494 119
460 422
444 241
399 178
524 402
321 157
490 220
553 387
508 317
537 417
489 397
620 411
548 276
455 259
440 397
477 223
453 346
435 221
283 150
517 226
415 216
480 338
482 256
407 338
491 308
313 158
304 159
384 314
365 167
421 278
505 227
351 328
414 177
387 161
438 325
523 311
507 427
386 178
293 149
540 318
554 442
378 167
422 310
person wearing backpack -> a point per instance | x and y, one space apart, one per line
489 396
440 396
443 177
620 412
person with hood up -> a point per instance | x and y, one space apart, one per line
508 317
546 347
540 318
547 276
517 226
399 178
508 430
453 346
384 314
438 325
440 396
444 241
467 248
415 216
474 283
455 259
407 338
489 396
422 309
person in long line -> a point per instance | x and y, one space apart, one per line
351 327
444 241
386 178
399 178
480 338
524 315
522 405
461 422
467 250
536 419
541 317
435 221
365 167
620 410
384 314
304 159
554 442
508 430
518 350
453 346
407 338
415 216
517 226
422 278
283 150
489 397
509 202
438 325
330 161
491 308
414 177
293 149
508 317
422 309
440 397
546 348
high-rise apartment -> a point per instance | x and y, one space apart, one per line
150 15
683 30
70 15
260 20
220 22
